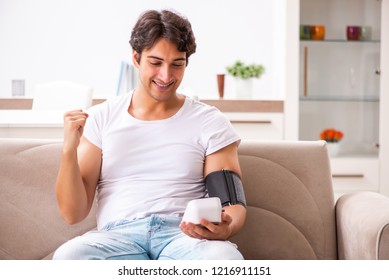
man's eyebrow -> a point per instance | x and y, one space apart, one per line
158 58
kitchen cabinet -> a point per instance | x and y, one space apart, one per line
257 126
253 119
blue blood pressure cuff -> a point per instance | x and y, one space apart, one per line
226 185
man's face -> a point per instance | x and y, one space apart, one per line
161 69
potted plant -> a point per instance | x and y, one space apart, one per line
244 73
332 137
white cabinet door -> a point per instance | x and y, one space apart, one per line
355 174
257 126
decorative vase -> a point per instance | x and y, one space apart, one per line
352 32
220 84
244 88
318 32
333 148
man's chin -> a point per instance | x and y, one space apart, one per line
162 96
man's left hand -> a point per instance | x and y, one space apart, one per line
208 230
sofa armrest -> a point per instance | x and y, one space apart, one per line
363 226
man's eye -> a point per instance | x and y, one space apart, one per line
178 65
155 63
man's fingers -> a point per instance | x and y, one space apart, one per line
75 118
75 115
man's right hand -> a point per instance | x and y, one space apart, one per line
74 122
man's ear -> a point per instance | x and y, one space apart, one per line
135 58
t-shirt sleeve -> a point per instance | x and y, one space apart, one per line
217 132
94 125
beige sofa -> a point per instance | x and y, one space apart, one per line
291 212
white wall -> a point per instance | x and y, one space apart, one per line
85 41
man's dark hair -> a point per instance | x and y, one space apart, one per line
153 25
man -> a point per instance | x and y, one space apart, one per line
144 155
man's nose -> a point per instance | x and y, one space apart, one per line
165 73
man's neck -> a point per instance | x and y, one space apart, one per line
144 107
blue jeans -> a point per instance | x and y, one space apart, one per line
151 238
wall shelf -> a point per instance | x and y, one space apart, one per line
224 105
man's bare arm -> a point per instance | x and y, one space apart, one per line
79 170
235 215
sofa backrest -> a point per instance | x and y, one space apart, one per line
287 184
31 225
290 199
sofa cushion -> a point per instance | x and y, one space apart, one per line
32 227
290 201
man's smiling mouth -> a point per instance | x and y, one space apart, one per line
163 85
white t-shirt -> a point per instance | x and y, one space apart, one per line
153 167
